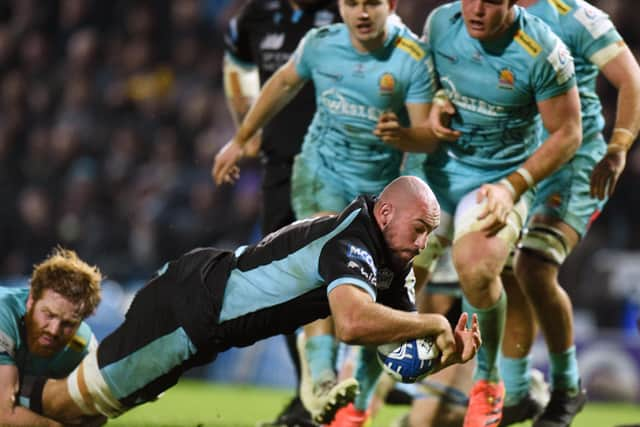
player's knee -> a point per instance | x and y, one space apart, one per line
536 276
476 273
547 243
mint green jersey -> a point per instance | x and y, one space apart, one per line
495 85
352 90
13 347
593 41
589 34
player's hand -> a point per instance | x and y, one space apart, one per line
446 343
225 168
440 119
388 128
468 341
606 173
498 204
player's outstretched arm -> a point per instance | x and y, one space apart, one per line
275 94
360 320
623 73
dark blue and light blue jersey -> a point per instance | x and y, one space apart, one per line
309 256
209 300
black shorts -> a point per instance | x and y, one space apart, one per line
169 328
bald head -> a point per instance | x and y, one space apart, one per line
407 212
407 191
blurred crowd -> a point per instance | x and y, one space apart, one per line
111 112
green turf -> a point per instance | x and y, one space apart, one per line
193 403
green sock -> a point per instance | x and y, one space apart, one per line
321 356
491 321
516 373
368 371
564 370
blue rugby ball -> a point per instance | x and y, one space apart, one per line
409 361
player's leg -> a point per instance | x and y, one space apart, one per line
562 214
553 308
521 403
479 260
143 357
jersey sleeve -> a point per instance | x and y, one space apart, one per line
236 38
8 337
303 55
595 37
554 73
348 261
74 352
422 81
433 25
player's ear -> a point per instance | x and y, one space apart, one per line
385 213
30 300
393 4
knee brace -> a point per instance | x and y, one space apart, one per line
102 400
546 241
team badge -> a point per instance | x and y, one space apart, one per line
506 79
387 84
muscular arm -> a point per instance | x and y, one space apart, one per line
561 117
359 320
622 72
241 87
12 414
277 92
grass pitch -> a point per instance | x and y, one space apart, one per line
193 403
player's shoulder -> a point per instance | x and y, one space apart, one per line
535 36
325 37
81 339
408 42
442 20
13 302
12 309
580 16
327 31
449 12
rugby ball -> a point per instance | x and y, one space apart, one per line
409 361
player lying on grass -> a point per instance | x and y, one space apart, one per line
42 333
352 266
